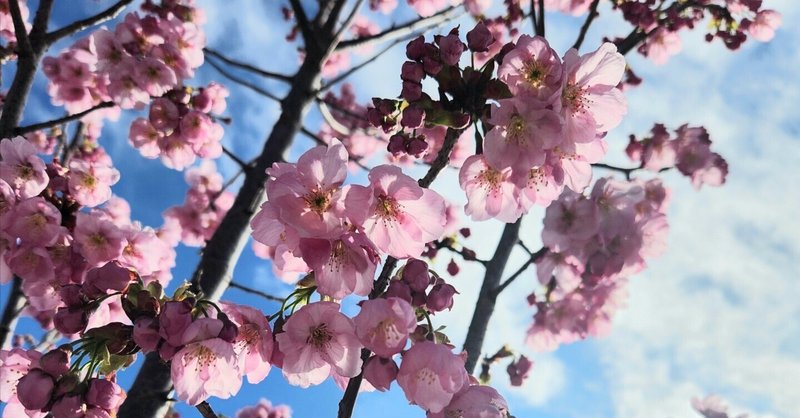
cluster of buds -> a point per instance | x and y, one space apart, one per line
181 126
421 288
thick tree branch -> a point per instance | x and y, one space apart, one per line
484 307
82 24
13 308
22 130
540 20
306 29
404 29
247 67
23 43
586 24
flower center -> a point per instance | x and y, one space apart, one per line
427 376
535 74
320 336
204 357
516 128
318 201
388 208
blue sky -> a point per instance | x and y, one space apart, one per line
717 313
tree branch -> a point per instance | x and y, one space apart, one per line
540 28
14 306
205 410
247 67
586 24
404 29
23 43
256 292
22 130
305 26
363 64
484 307
82 24
531 260
242 81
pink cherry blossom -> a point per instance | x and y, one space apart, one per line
35 221
573 7
206 368
590 101
532 70
401 216
90 182
318 338
383 325
99 240
253 344
764 26
14 364
491 193
21 168
475 401
520 136
430 375
661 45
342 266
264 409
380 372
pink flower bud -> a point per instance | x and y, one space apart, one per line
416 275
451 49
105 394
416 146
415 49
34 389
412 117
145 334
452 267
412 71
441 297
397 144
69 407
110 277
398 289
70 320
380 372
71 295
56 362
479 38
411 91
175 317
518 370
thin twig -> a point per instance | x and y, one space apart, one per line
626 171
586 24
22 130
247 67
363 64
242 81
404 29
540 28
256 292
243 165
532 259
82 24
77 138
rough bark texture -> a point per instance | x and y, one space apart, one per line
484 307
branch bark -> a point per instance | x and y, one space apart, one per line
586 24
82 24
22 130
484 307
13 307
247 67
403 30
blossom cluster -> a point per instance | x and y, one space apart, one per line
264 409
53 246
689 151
339 231
712 406
595 242
545 136
38 385
206 203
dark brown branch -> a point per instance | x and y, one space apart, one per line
242 81
22 130
13 308
205 410
256 292
540 28
77 138
23 43
82 24
404 29
247 67
305 26
243 165
484 307
531 260
586 24
626 171
352 15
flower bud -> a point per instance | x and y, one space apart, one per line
441 297
412 71
415 49
34 389
71 295
105 394
69 407
175 317
70 320
417 145
518 370
110 277
416 275
479 38
380 372
412 117
145 334
398 289
411 91
450 49
56 362
397 144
